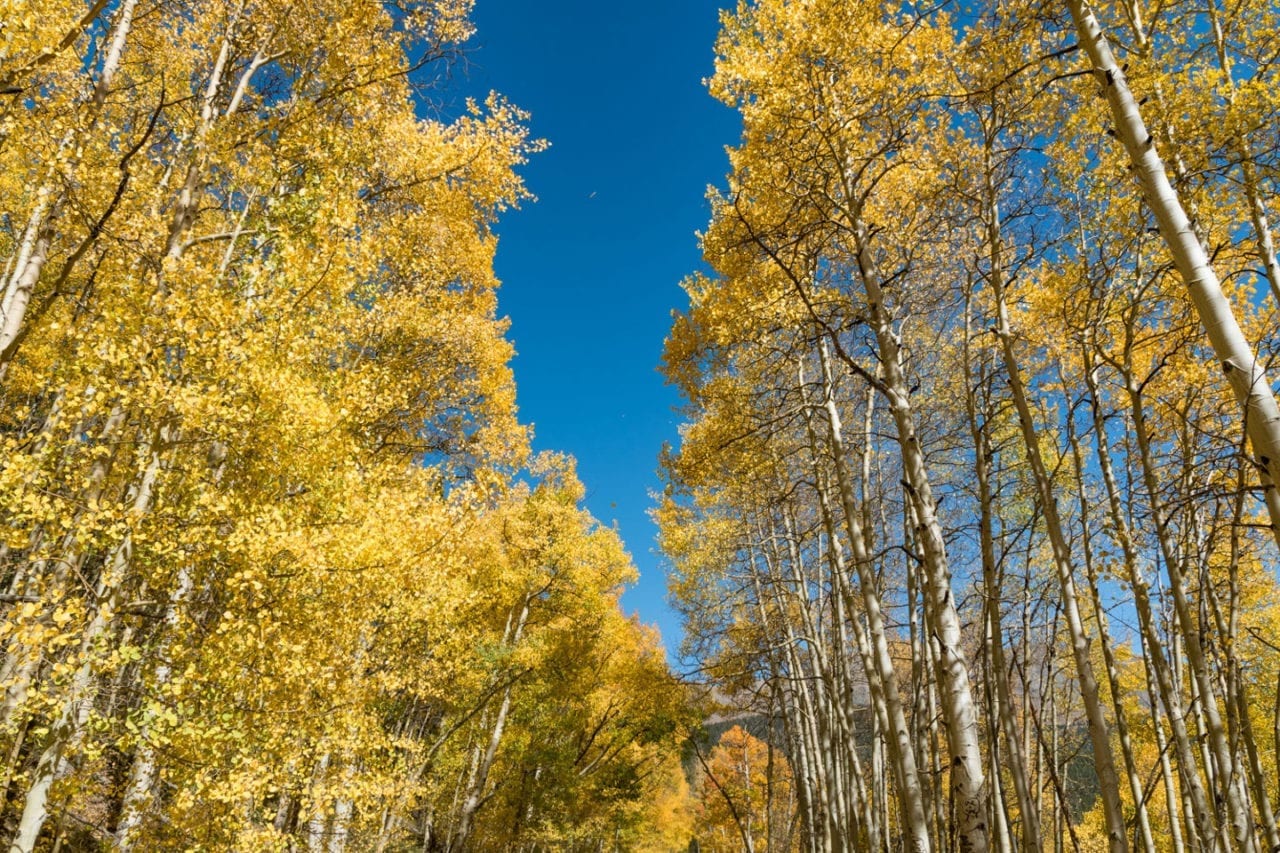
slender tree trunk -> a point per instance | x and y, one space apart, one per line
142 774
40 229
342 813
968 777
48 54
1153 649
1104 764
22 662
1244 373
998 816
1108 653
845 600
1248 168
1172 802
319 819
68 729
1215 743
785 603
474 796
899 743
1238 691
993 583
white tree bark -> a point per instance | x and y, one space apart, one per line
901 751
1015 757
967 772
1132 774
1248 168
1099 737
319 819
1244 373
68 729
1154 656
1213 738
474 796
142 775
39 235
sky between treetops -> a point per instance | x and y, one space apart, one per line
591 270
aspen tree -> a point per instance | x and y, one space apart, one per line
1246 376
983 454
1248 165
1098 730
40 230
289 273
842 168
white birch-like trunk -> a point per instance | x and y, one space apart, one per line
1099 736
967 772
23 284
319 819
1015 758
1172 801
474 796
1236 689
341 821
899 741
1154 657
1212 738
1246 376
22 661
829 826
39 235
142 775
17 265
845 601
1248 171
812 776
68 729
1108 654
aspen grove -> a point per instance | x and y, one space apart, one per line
974 504
972 523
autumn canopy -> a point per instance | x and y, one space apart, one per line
971 522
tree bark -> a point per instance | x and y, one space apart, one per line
1214 742
902 754
1104 764
1246 376
40 229
992 584
968 776
68 729
474 796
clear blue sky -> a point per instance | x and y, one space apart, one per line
591 271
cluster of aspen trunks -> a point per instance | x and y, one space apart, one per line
982 432
277 570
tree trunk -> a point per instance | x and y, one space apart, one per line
1104 764
142 775
68 729
1245 374
968 776
474 796
992 584
1215 744
40 230
899 743
1153 650
1108 653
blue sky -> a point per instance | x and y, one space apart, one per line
591 271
